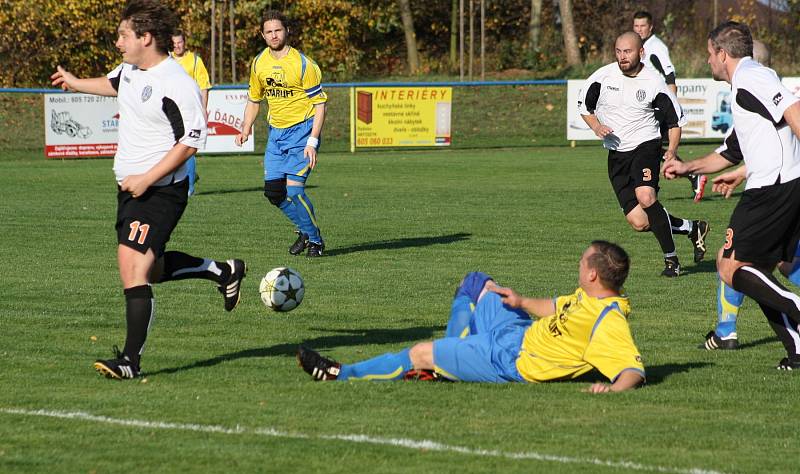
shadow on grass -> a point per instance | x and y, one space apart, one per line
258 189
400 243
350 337
706 266
199 192
758 342
655 373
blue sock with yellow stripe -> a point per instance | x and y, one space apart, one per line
385 367
460 316
728 303
304 211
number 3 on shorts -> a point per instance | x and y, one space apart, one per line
728 239
647 175
141 229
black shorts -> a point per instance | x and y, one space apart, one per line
147 222
765 225
627 170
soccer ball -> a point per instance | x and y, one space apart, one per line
282 289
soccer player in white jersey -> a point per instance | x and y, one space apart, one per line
765 225
656 56
162 123
618 102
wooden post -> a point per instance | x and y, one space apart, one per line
461 40
213 60
233 42
483 40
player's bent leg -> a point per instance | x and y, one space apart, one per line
461 310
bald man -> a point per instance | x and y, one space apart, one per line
619 103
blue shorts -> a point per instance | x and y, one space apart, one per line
284 154
489 353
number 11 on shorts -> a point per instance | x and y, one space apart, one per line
141 229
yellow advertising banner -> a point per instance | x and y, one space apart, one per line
400 116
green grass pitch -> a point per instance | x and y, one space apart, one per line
223 392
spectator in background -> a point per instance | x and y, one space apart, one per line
193 65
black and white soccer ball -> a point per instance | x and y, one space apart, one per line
282 289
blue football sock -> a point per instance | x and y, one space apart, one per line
794 274
385 367
290 211
728 303
461 312
306 220
191 171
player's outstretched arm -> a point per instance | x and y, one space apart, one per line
95 85
250 115
625 381
711 163
539 307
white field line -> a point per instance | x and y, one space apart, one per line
425 445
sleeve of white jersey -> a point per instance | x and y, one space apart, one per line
662 53
584 93
187 97
767 88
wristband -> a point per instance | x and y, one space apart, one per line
312 142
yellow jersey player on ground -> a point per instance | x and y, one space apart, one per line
290 82
491 337
194 67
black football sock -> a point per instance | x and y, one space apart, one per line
784 328
765 289
680 226
139 314
181 266
659 225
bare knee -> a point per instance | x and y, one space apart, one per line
727 266
638 220
421 356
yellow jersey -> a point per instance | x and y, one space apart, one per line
194 67
292 86
584 333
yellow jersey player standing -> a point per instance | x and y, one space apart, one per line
290 82
194 67
491 336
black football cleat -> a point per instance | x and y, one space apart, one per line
317 366
698 237
232 289
119 368
300 244
315 249
714 342
789 363
672 268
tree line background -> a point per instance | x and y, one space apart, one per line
380 39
